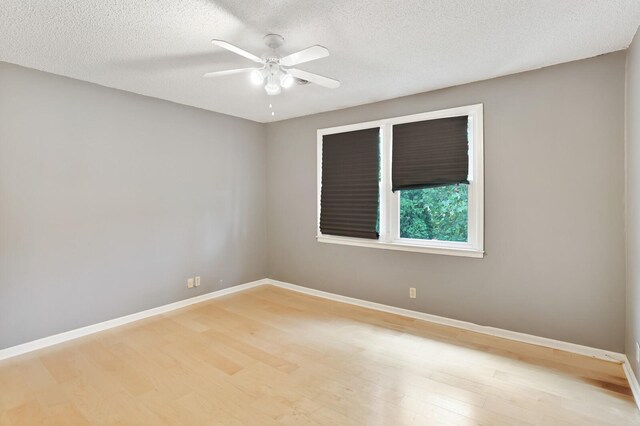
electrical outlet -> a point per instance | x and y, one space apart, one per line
412 292
190 283
197 281
637 352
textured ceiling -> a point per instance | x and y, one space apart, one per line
380 49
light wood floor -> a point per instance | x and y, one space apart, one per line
270 356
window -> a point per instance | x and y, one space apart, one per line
429 195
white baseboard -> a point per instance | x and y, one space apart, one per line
94 328
632 379
492 331
512 335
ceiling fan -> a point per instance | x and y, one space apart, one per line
275 71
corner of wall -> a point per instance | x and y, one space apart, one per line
632 183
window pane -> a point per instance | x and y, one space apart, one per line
434 213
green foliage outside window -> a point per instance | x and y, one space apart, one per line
434 213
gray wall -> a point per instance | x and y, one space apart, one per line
110 201
633 202
554 215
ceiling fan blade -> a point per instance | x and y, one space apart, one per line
228 72
309 54
236 50
314 78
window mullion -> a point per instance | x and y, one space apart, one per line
386 195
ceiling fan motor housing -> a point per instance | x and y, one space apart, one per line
274 41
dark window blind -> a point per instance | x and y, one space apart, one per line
349 192
430 153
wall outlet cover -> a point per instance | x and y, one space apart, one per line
197 281
190 283
412 292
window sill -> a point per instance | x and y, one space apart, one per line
436 248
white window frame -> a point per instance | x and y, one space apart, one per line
390 201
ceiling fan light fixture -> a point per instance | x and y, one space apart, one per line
257 78
272 87
272 90
286 81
